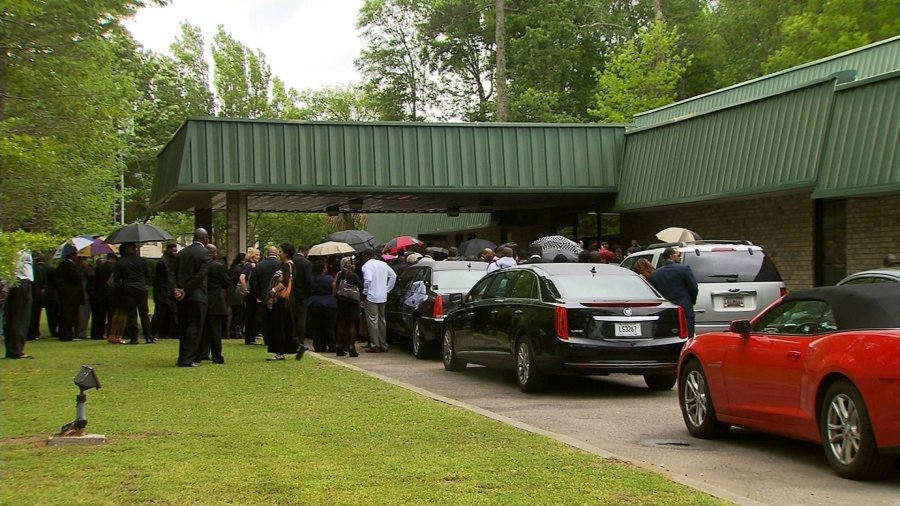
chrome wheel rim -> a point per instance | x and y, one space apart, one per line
696 402
842 429
523 366
448 347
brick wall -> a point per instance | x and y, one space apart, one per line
873 229
784 226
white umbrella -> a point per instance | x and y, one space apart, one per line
330 248
677 234
556 244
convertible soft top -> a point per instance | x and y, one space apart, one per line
864 306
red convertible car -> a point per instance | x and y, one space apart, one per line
821 365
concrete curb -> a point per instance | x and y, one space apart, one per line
562 438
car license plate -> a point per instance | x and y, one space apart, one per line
737 301
628 330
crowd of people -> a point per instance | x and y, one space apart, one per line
284 297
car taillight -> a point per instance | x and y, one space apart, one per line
783 291
562 322
438 307
682 324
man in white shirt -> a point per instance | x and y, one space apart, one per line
378 280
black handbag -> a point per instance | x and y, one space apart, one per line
348 291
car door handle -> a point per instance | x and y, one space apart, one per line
518 312
495 311
793 354
470 313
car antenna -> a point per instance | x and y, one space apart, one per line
593 271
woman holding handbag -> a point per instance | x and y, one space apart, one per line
280 300
347 290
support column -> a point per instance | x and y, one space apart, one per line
236 223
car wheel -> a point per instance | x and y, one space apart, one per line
697 405
529 378
419 348
847 435
451 361
660 382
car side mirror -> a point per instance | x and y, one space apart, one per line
741 327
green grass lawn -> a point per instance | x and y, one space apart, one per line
257 432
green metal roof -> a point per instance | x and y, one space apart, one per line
867 61
763 146
862 154
386 226
380 167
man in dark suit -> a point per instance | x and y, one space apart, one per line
303 280
131 274
535 250
218 282
191 267
71 295
165 317
265 270
676 282
99 292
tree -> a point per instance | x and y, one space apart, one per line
242 78
816 29
63 99
642 75
393 63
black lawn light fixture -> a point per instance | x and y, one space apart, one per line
86 379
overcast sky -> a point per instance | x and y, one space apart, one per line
308 43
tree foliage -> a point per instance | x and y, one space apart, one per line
642 75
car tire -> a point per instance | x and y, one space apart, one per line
448 352
847 435
528 376
419 346
660 382
697 404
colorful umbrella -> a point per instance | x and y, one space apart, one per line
404 242
96 248
73 245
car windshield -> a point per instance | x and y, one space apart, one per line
730 266
455 281
604 287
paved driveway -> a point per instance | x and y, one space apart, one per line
617 415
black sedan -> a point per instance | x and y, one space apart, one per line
423 294
549 319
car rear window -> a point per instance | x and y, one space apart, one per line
731 265
455 281
604 287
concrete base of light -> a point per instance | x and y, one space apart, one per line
85 440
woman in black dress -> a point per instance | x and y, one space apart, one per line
322 309
347 309
281 318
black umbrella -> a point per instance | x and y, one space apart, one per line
360 240
437 253
474 247
138 232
